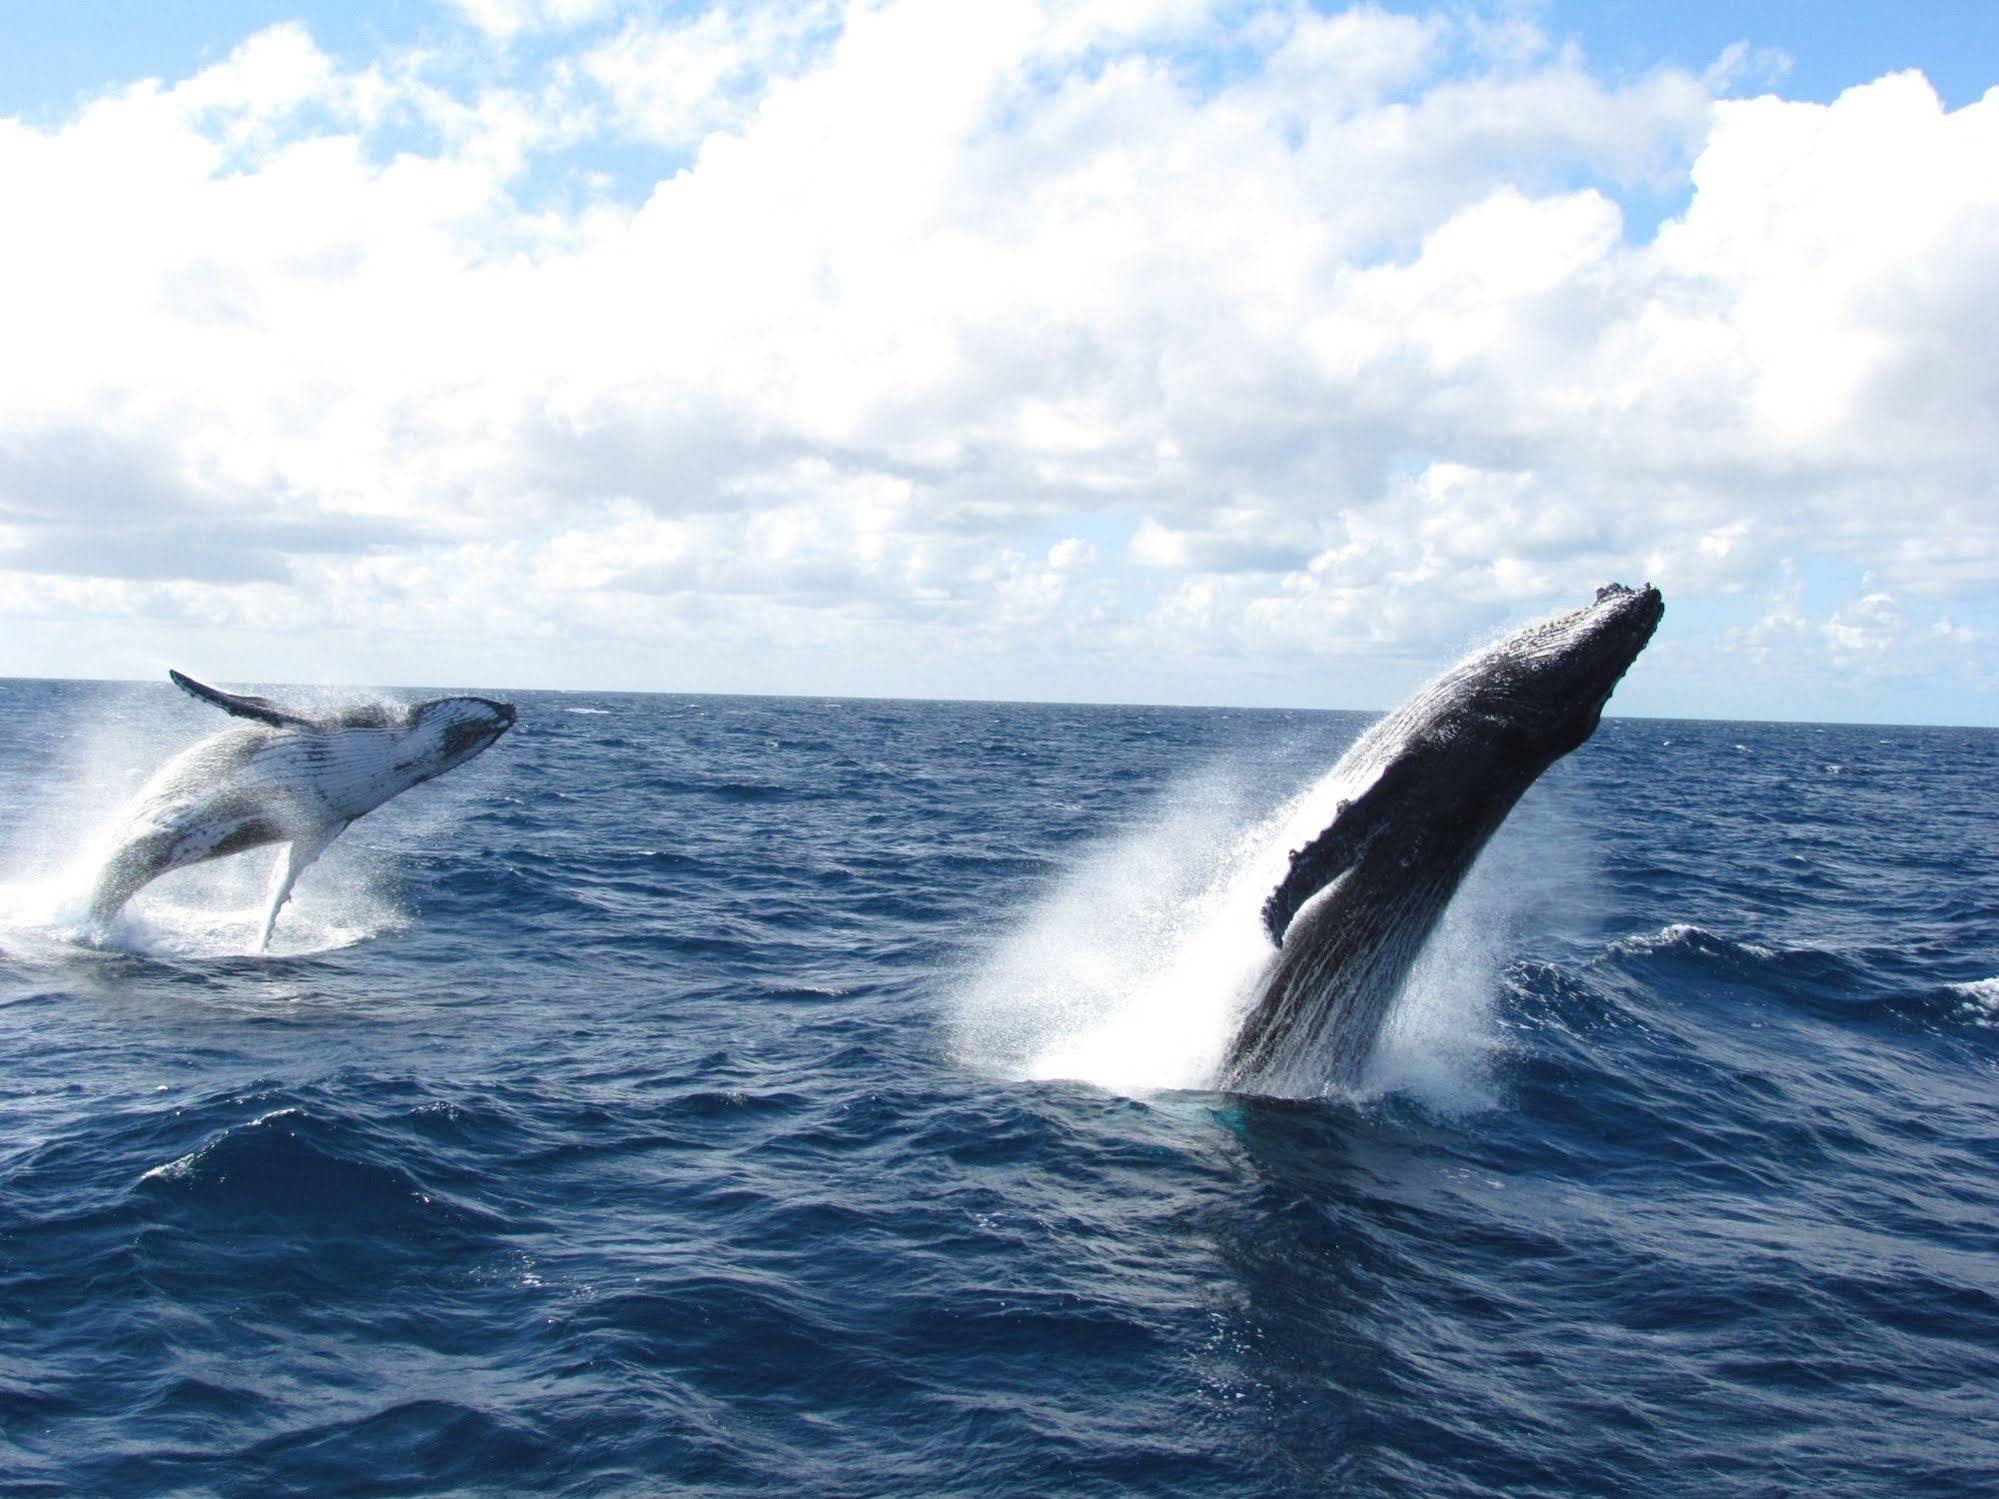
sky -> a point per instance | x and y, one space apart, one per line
1117 350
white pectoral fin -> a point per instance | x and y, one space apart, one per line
292 863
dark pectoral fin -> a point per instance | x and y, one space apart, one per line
1313 867
263 710
1328 856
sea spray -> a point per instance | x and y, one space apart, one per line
1133 970
1443 1032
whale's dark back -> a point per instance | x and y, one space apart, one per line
1365 896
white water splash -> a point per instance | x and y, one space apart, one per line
213 910
1441 1034
1979 1000
1133 971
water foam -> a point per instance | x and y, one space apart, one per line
1978 1000
1134 970
1129 971
210 911
1681 936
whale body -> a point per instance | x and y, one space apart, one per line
284 778
1359 902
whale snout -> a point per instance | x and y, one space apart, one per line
464 726
1646 611
1640 600
499 716
1622 619
503 717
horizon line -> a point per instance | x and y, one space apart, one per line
1013 702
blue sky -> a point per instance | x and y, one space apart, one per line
1831 44
59 53
1120 350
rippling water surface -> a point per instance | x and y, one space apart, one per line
736 1093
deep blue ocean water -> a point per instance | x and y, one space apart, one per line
733 1094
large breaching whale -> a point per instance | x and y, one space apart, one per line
1363 897
284 778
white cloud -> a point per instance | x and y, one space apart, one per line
674 82
1869 626
1862 641
1337 318
1071 554
504 20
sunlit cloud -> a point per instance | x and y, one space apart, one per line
905 340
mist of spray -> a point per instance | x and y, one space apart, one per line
1133 971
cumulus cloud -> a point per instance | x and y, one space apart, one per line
904 334
674 83
504 20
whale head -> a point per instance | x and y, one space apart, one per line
448 731
1441 772
1460 753
1543 690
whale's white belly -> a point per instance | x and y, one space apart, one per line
248 788
292 778
330 777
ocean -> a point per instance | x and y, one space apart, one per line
726 1094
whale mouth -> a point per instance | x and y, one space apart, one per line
463 740
505 716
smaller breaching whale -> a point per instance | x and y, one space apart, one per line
284 778
1360 900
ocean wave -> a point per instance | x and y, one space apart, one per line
1977 1000
318 1175
1685 938
658 1147
1864 986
